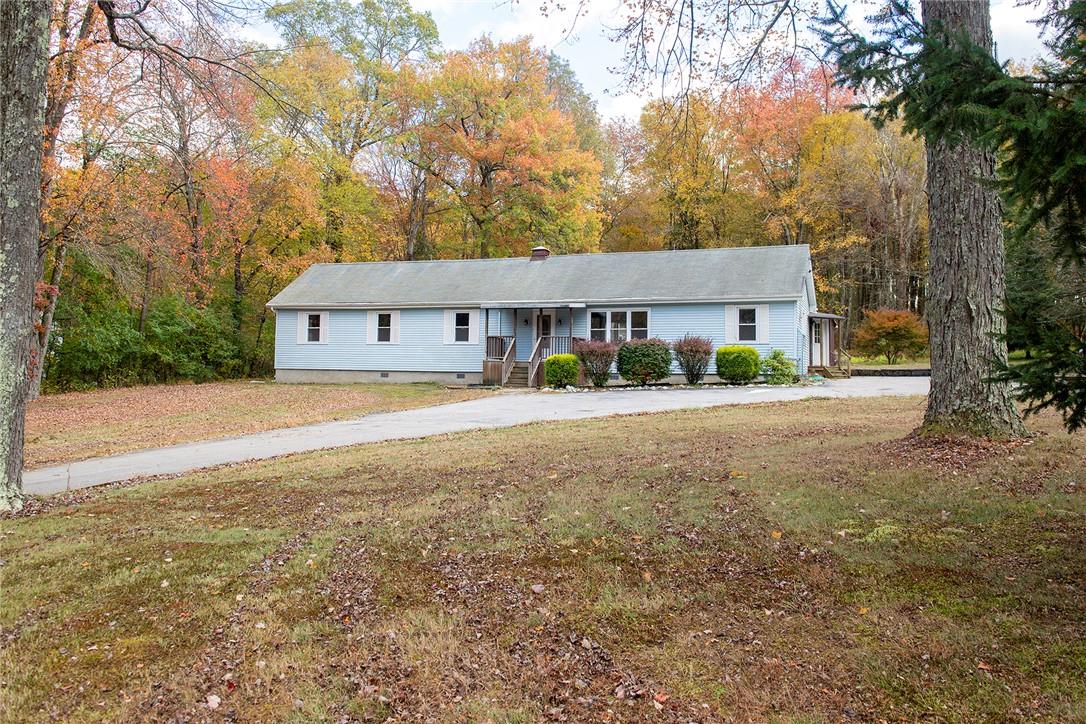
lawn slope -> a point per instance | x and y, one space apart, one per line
781 561
79 425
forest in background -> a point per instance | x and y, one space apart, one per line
179 200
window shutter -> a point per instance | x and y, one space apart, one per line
371 327
731 324
473 326
324 327
450 326
763 323
301 327
395 332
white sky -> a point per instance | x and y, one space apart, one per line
592 54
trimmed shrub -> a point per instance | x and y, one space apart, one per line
561 370
895 333
693 355
641 361
597 358
778 369
737 363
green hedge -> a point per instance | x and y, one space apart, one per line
641 361
737 364
778 369
561 370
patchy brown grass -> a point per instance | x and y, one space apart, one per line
79 425
773 562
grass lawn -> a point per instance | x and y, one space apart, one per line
788 561
79 425
880 361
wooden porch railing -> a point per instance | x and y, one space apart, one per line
535 363
847 364
544 348
501 353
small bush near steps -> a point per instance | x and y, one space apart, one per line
693 355
737 364
561 370
778 369
597 358
641 361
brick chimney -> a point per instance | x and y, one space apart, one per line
540 253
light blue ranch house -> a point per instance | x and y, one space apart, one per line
493 321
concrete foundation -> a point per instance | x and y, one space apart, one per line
340 377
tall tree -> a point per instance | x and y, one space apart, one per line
966 283
966 269
24 42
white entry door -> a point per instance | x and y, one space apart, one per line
817 358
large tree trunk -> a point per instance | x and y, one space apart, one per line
966 276
24 38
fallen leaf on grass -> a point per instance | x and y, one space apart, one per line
776 535
983 666
863 610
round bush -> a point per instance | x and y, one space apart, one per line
778 369
641 361
737 364
597 358
561 370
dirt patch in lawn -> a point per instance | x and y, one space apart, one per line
769 562
79 425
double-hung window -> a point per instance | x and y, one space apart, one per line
312 327
618 325
383 327
461 326
748 324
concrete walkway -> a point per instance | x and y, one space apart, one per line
503 410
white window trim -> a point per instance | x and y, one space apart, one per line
371 326
761 324
629 320
450 326
303 327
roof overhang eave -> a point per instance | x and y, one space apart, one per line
532 303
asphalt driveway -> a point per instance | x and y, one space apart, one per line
504 410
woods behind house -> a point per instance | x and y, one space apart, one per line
180 199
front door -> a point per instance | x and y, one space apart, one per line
816 344
544 324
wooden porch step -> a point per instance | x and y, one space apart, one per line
518 376
832 373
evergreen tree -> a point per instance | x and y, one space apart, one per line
948 87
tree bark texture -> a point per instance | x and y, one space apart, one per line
966 283
24 38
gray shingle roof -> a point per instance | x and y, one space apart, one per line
747 273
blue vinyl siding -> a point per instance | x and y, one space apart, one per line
671 322
421 335
421 347
526 328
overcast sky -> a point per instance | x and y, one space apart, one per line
592 54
